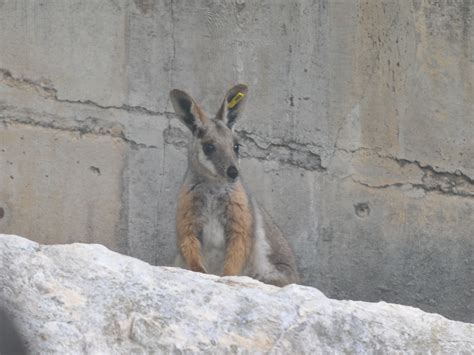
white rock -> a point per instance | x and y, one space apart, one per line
83 298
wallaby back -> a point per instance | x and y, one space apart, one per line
220 228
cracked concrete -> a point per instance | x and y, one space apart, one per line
357 138
46 90
257 147
392 172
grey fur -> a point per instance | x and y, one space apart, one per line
271 259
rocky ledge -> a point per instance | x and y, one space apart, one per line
84 298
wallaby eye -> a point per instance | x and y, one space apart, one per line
237 148
208 148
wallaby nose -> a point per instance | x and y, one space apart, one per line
232 172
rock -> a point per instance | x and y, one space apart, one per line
84 298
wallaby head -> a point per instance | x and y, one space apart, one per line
214 149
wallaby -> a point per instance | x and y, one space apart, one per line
220 227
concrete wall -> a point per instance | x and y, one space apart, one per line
357 135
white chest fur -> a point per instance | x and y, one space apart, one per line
213 244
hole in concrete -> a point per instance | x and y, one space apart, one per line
95 170
362 209
2 212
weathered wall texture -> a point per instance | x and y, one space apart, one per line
357 133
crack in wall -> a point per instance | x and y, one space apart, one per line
88 126
429 169
286 152
256 147
303 156
45 89
436 187
447 183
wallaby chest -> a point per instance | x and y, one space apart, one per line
213 220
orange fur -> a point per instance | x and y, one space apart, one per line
239 229
187 228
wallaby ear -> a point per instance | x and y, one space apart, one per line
233 105
187 110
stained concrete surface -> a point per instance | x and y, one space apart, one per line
357 135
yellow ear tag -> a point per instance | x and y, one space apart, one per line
235 100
